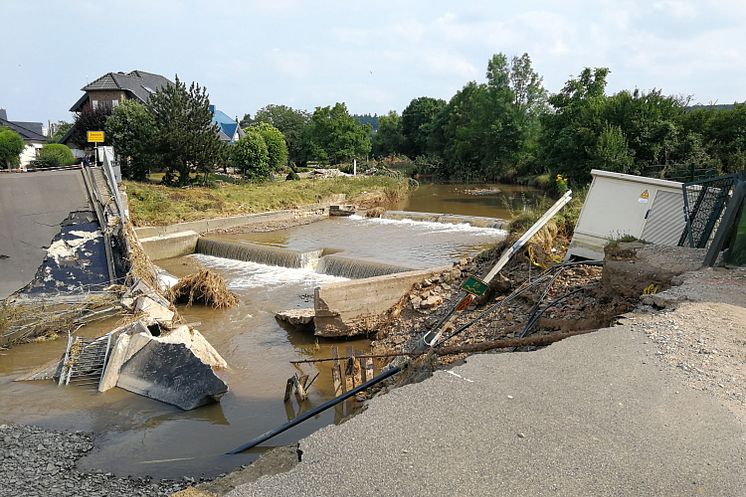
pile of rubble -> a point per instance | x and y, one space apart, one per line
588 306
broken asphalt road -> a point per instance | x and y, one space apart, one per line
32 206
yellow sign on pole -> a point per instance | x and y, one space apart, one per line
95 136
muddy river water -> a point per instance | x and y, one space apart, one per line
138 436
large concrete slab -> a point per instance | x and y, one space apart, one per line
594 415
32 206
354 307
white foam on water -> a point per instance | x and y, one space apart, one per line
243 274
431 226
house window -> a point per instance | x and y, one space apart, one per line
114 103
94 104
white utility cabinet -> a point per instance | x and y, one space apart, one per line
619 204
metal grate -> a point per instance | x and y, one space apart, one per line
85 361
704 202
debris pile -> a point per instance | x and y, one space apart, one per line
204 287
581 304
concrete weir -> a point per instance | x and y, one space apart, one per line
433 217
341 308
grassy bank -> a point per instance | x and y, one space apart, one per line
152 204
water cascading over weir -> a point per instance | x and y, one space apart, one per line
316 260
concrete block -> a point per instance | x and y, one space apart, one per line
355 307
196 342
171 373
153 309
170 245
296 317
116 359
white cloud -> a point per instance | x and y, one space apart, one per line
679 9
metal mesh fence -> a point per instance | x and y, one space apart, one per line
704 203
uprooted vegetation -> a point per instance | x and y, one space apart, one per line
205 287
26 321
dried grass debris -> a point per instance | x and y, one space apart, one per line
204 287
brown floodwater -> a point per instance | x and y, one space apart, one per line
139 436
502 201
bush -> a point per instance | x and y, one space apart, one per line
292 176
249 155
277 149
54 155
11 146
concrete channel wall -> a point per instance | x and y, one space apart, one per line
355 307
247 220
170 245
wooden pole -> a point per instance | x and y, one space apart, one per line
336 373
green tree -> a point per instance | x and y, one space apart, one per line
186 139
651 123
59 129
486 131
293 124
416 122
90 120
389 138
250 156
571 133
726 136
611 152
11 146
54 155
336 137
276 146
529 93
133 134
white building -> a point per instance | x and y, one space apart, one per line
32 134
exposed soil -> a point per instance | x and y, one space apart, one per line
589 305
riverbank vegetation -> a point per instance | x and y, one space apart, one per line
509 128
157 204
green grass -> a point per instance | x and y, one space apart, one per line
564 221
153 204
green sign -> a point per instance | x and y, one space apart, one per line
475 286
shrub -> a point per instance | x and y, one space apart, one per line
11 146
249 155
54 155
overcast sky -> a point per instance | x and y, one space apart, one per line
375 56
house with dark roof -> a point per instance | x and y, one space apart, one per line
115 87
228 129
31 132
111 89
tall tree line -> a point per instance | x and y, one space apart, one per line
509 126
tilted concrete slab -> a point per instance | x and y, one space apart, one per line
355 307
32 206
171 373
